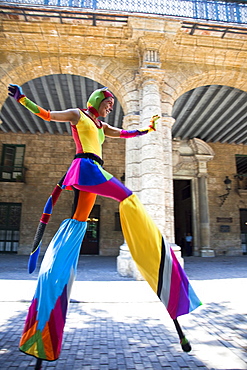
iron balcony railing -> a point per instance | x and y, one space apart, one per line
210 10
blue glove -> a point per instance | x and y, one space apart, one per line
15 91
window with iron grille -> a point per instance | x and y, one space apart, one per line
12 168
241 171
10 219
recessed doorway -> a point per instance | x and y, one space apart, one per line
183 216
243 229
90 244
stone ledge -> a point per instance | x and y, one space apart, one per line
207 253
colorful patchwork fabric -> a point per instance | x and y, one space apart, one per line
155 259
43 331
34 108
87 175
126 134
87 136
85 171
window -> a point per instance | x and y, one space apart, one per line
117 222
10 219
12 168
241 169
241 164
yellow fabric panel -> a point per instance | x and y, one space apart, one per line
33 350
91 137
143 238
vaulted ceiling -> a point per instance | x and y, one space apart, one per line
213 113
54 92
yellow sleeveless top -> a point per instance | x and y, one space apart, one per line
87 136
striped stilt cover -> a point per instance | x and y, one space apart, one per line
155 259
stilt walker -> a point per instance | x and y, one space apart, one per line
43 331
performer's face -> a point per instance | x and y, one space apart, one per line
106 106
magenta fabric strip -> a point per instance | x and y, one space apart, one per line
112 188
73 173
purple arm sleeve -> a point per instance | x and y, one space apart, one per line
132 133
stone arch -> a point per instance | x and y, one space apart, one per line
106 71
200 147
178 83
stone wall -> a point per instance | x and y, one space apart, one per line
198 161
47 158
223 165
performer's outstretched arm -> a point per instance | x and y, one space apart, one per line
68 115
126 134
73 115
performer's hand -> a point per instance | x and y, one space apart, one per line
15 91
154 122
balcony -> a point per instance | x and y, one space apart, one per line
234 12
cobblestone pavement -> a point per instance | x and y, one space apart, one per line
118 323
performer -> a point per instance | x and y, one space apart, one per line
42 335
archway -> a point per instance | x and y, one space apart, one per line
190 159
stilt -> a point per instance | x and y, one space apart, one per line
38 364
186 347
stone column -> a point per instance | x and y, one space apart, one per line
125 264
152 193
156 161
132 154
149 169
167 122
204 212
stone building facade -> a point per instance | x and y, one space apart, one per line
147 62
47 158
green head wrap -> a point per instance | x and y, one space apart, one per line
96 98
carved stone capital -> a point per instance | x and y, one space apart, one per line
149 76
